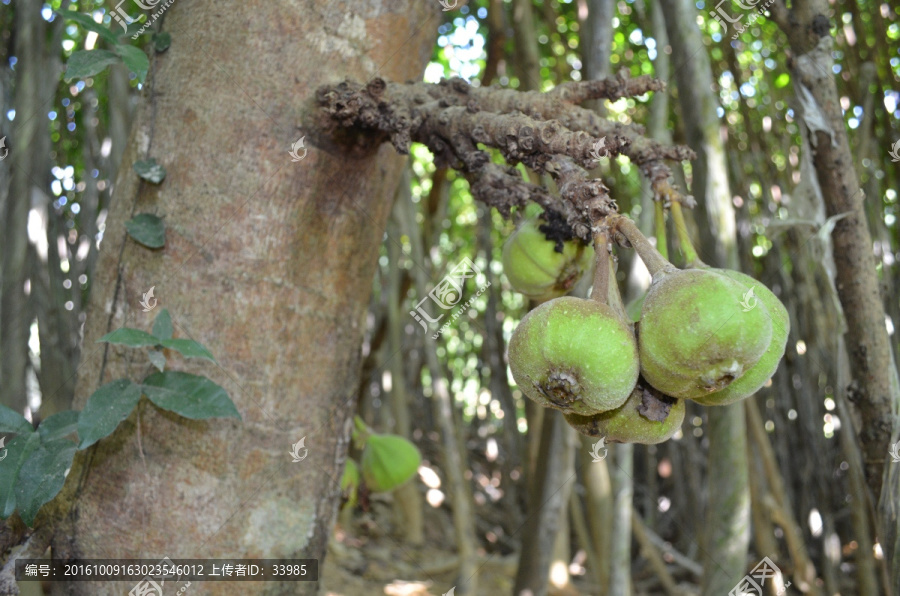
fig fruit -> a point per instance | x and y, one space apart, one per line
647 417
537 269
695 338
574 355
762 371
388 462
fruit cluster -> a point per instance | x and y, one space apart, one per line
714 336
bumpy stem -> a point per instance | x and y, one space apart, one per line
659 220
651 257
684 239
600 291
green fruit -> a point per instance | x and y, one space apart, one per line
648 417
534 267
574 355
695 338
763 370
388 462
350 483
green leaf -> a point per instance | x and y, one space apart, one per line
157 359
189 395
17 451
87 63
188 348
13 422
147 229
150 171
162 41
88 22
58 426
162 325
388 462
135 59
44 474
105 409
133 338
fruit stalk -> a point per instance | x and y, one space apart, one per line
684 239
600 291
659 221
655 262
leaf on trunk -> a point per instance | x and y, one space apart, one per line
13 422
189 395
148 229
18 451
105 409
133 338
150 171
87 63
58 426
45 472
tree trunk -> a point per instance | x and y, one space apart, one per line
267 261
807 28
15 312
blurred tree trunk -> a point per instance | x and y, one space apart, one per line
15 312
726 535
267 261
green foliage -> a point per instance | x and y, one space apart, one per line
35 468
149 170
87 63
148 229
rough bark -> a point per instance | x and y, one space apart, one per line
267 261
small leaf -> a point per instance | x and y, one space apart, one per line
147 229
150 171
105 409
157 359
133 338
13 422
188 348
45 473
162 325
18 451
58 426
162 41
135 59
388 462
189 395
86 21
87 63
